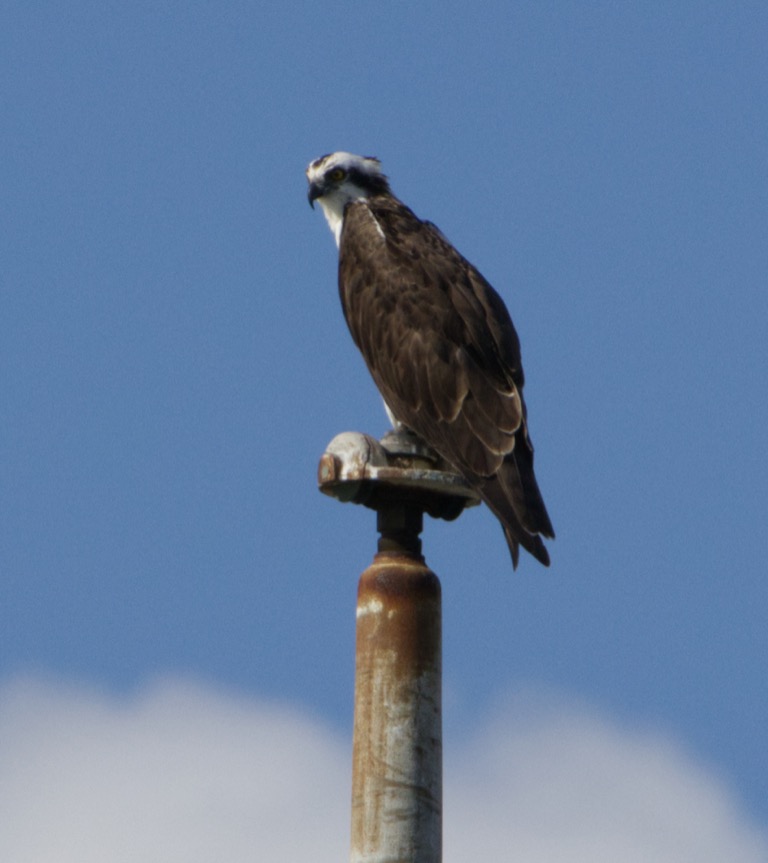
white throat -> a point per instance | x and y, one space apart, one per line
334 215
333 207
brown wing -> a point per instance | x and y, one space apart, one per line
445 356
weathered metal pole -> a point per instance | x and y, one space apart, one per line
397 778
397 745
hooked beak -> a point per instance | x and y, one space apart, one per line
315 191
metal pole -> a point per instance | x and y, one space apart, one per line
397 746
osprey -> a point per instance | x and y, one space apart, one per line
437 339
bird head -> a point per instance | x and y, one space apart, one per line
338 178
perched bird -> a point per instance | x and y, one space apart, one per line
437 339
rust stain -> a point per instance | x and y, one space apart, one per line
397 749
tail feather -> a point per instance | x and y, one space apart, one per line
514 498
522 491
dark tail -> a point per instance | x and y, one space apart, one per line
514 497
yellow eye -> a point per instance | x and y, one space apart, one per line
337 174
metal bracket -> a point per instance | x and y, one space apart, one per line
357 468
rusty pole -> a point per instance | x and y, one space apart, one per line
397 745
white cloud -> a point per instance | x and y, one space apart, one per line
186 773
553 782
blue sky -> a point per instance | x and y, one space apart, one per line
174 359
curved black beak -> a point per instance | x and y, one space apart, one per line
314 192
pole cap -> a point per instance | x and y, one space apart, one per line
357 468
